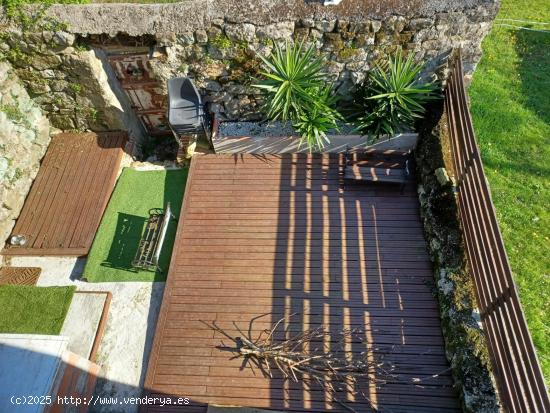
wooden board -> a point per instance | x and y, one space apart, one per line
279 235
68 197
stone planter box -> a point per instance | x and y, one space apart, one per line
276 137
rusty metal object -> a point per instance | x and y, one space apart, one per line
145 93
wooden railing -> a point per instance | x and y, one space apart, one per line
518 374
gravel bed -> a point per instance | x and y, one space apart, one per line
271 129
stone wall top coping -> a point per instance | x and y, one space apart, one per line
189 15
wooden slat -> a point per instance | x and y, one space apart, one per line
279 235
66 202
518 374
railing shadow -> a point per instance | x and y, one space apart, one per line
355 258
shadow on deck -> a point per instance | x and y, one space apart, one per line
279 235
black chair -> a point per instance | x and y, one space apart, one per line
185 108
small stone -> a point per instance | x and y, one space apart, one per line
213 32
38 88
215 70
431 45
59 85
334 67
333 41
325 25
63 38
276 31
218 22
422 23
316 34
47 36
43 62
217 53
215 107
232 108
244 32
201 36
237 89
397 23
187 38
63 122
442 176
357 66
212 86
362 40
357 77
359 27
375 26
301 33
342 25
166 39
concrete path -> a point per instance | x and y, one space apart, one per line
82 321
124 351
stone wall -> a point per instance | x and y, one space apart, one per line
465 341
217 42
24 137
67 81
222 56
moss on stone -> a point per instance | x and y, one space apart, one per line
221 41
348 52
465 341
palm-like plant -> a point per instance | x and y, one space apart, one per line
320 118
297 90
290 75
393 97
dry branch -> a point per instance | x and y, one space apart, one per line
312 356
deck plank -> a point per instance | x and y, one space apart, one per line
278 235
68 197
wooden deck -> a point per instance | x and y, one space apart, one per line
67 199
276 234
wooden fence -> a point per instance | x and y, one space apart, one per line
518 374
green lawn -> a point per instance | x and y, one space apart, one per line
135 1
510 98
120 230
34 310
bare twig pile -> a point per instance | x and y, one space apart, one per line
311 356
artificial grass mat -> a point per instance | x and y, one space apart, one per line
117 239
34 310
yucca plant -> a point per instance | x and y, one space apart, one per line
297 90
290 73
314 123
392 98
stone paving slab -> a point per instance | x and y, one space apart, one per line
82 321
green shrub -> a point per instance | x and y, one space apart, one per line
392 97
